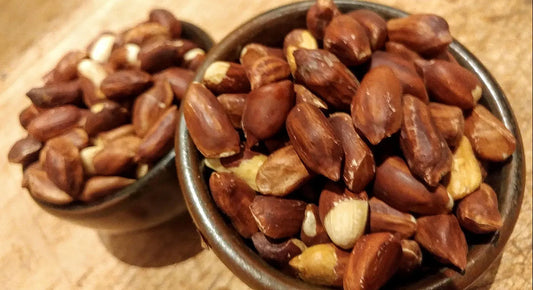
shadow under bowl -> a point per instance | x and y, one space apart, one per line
151 200
269 29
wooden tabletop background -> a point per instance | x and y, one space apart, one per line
39 251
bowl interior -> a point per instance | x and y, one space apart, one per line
155 194
270 29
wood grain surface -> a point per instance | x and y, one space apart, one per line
39 251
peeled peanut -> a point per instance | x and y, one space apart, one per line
343 215
246 166
125 57
101 48
313 231
322 264
87 154
193 58
92 70
465 176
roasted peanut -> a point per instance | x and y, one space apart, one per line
323 73
314 140
293 174
376 107
101 118
277 217
489 137
425 150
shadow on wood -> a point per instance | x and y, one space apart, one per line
171 242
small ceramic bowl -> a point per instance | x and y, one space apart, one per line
151 200
270 29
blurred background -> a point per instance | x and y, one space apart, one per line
39 251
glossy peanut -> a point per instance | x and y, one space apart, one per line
208 124
427 153
376 107
395 185
324 74
348 40
314 140
359 166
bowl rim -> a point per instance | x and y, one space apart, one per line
248 266
189 30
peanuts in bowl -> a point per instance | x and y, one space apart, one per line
100 129
339 144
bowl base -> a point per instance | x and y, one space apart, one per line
168 243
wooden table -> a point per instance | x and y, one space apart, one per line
39 251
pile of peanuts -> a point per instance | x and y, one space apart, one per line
105 115
351 151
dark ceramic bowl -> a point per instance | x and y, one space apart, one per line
269 29
149 201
